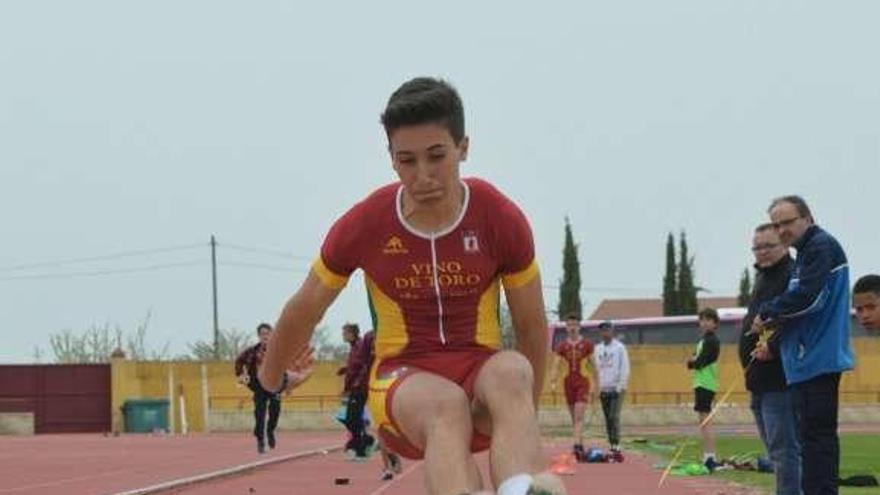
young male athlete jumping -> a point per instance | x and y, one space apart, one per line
435 250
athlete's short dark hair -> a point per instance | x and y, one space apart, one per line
425 100
353 328
710 314
868 283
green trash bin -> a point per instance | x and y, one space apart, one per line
145 415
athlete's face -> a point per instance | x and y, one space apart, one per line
426 159
867 306
265 333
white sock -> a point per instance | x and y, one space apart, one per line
515 485
708 455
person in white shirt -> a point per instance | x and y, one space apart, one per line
611 362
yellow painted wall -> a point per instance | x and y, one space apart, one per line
150 380
658 376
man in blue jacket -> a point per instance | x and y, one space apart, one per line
811 320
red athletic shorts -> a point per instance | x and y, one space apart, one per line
386 376
576 388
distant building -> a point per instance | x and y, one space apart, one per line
641 321
616 309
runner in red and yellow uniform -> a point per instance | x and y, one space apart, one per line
436 250
575 350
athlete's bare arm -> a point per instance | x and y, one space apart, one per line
530 323
294 329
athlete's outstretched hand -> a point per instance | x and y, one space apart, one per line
300 369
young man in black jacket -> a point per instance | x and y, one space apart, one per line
772 402
246 365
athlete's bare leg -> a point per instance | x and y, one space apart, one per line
435 415
577 420
505 409
706 433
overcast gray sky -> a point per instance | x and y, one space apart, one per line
130 126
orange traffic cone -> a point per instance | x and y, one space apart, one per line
563 464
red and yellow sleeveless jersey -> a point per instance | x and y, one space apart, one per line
574 354
432 292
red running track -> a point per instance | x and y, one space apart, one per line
80 464
93 464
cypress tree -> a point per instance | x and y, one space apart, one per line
745 289
570 287
687 291
670 298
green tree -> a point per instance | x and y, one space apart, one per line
745 289
687 291
570 287
670 293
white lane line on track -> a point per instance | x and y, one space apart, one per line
173 484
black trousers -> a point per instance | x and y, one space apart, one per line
611 402
264 400
354 422
815 407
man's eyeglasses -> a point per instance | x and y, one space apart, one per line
763 247
785 223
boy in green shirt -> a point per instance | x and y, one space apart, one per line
704 364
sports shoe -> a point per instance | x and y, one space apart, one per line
387 475
261 447
546 484
710 464
271 438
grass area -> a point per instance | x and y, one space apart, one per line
859 454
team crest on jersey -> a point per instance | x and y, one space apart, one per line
395 246
471 242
